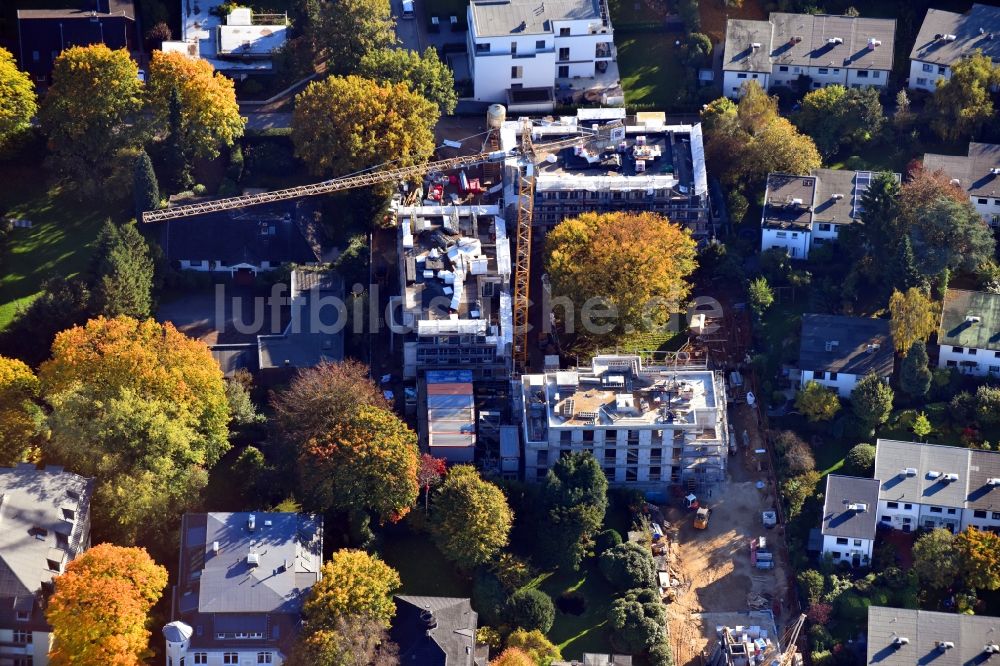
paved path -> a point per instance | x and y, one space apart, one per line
258 122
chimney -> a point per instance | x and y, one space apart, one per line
252 522
430 622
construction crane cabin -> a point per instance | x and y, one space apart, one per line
524 155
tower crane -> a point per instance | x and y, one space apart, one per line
527 153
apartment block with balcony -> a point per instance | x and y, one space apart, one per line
947 37
978 173
649 425
644 165
850 51
530 55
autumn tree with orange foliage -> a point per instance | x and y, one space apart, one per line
637 263
979 558
143 409
210 116
354 454
100 607
513 657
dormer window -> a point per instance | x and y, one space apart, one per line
68 514
54 565
39 533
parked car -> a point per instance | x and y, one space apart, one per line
407 9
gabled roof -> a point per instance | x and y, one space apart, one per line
970 319
979 28
249 236
852 345
849 507
808 40
918 473
972 171
44 516
925 633
435 631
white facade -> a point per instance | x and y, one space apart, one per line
32 647
899 515
217 266
842 382
846 549
795 242
969 361
733 81
567 49
925 75
180 652
988 207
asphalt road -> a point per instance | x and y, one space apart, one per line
408 30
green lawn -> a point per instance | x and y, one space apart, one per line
587 632
651 73
421 566
60 241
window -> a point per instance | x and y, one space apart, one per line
935 509
566 436
540 44
610 455
542 459
22 637
841 541
563 54
23 616
941 70
263 657
996 202
892 505
741 76
951 512
886 519
515 72
835 554
995 515
24 661
181 662
781 234
483 48
513 49
921 81
35 56
564 32
958 350
857 542
876 74
654 473
824 227
928 68
631 474
62 541
979 514
983 201
863 74
201 657
563 72
783 68
995 220
833 376
836 71
230 657
824 70
994 368
952 364
588 435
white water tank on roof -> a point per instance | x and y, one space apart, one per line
496 114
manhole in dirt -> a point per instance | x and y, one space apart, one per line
571 603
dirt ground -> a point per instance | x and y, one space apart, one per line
715 12
713 565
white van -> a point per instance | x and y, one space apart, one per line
407 9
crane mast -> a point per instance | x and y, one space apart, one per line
526 153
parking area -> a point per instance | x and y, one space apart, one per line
714 565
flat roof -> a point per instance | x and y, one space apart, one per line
495 18
970 319
979 28
315 331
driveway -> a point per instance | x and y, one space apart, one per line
258 122
407 30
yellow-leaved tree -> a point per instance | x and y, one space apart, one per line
637 263
354 584
210 116
343 124
20 415
914 318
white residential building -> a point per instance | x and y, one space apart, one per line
929 486
238 43
44 525
529 55
802 212
849 519
648 425
242 582
844 50
978 173
947 37
837 351
969 333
